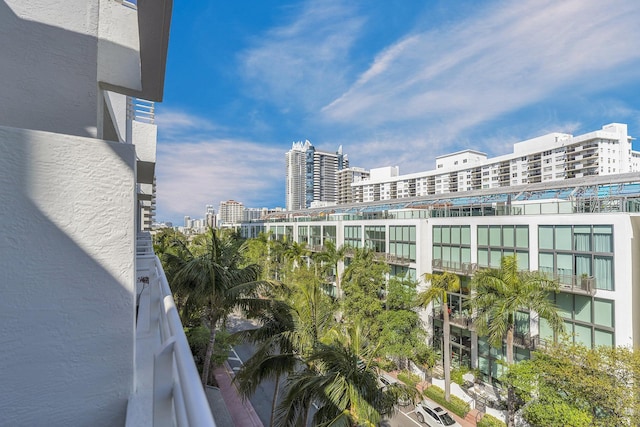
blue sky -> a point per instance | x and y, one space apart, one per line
395 83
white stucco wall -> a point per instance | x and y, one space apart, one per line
49 65
67 302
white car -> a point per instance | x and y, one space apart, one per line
433 415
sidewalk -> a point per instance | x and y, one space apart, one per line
468 421
242 412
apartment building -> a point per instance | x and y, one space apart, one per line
582 231
230 212
90 333
551 157
311 175
345 177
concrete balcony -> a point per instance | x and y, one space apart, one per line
167 387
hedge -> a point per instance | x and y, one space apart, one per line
456 405
489 421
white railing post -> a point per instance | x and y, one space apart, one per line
163 386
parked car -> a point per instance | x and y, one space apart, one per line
433 415
387 382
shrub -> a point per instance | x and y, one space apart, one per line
409 378
387 364
489 421
456 405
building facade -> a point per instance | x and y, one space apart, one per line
230 212
347 193
311 175
582 232
551 157
77 173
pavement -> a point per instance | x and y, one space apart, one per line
241 411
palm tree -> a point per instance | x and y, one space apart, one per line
333 256
341 380
295 253
275 354
210 280
287 334
500 294
439 287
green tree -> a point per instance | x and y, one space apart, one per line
288 332
499 295
581 386
340 378
332 256
401 331
439 287
363 283
209 278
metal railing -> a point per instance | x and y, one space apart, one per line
177 395
466 268
141 110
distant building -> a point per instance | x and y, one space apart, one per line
551 157
210 216
311 175
347 193
230 212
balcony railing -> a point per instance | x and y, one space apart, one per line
457 318
167 389
141 110
466 268
576 284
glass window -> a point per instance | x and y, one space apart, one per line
583 265
583 308
483 257
466 254
523 260
412 234
446 235
465 237
545 262
603 272
483 236
437 235
602 242
455 235
546 332
522 236
446 253
563 237
564 302
582 238
603 338
545 237
508 236
583 335
564 264
603 312
496 257
494 235
392 233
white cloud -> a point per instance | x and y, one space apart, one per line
173 124
434 85
304 63
192 175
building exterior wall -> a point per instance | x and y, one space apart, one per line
68 298
552 157
591 255
311 175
